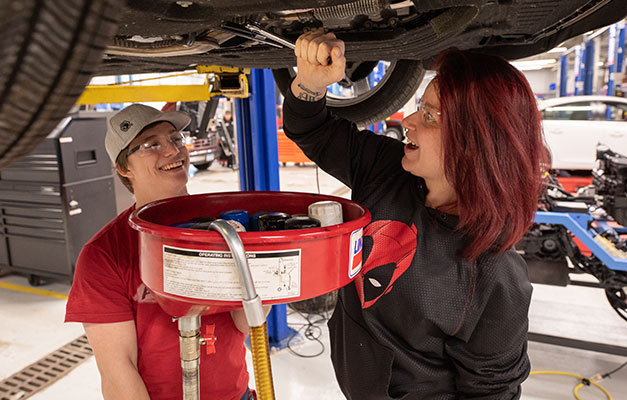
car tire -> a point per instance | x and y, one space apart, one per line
203 166
395 133
49 51
386 99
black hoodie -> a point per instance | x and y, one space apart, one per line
418 322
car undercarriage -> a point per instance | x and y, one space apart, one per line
372 29
52 48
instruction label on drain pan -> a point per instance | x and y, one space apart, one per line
212 275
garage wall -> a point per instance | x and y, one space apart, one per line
540 80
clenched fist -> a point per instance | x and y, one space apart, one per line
320 61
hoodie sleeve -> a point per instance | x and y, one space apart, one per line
335 144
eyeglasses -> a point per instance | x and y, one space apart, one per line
429 117
158 144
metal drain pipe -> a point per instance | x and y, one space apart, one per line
189 327
189 345
254 311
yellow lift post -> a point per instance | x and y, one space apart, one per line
219 81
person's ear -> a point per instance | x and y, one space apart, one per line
127 174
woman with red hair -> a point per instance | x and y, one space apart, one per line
439 308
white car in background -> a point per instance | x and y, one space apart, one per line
574 125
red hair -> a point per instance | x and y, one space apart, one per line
494 152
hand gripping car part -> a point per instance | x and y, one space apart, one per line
250 268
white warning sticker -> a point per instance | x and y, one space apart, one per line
212 275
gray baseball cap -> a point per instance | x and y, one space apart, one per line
125 125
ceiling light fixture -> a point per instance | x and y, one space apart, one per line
534 64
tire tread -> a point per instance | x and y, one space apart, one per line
57 48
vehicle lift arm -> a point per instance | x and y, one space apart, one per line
219 81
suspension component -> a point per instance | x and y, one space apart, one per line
160 48
360 7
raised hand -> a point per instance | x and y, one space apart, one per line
320 61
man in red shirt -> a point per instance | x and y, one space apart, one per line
134 341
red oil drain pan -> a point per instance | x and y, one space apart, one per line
192 272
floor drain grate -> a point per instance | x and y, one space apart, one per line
45 372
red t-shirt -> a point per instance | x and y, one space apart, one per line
107 288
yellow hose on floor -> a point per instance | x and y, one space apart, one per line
261 362
580 385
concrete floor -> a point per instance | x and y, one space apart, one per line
32 327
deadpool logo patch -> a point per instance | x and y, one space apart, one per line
388 248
